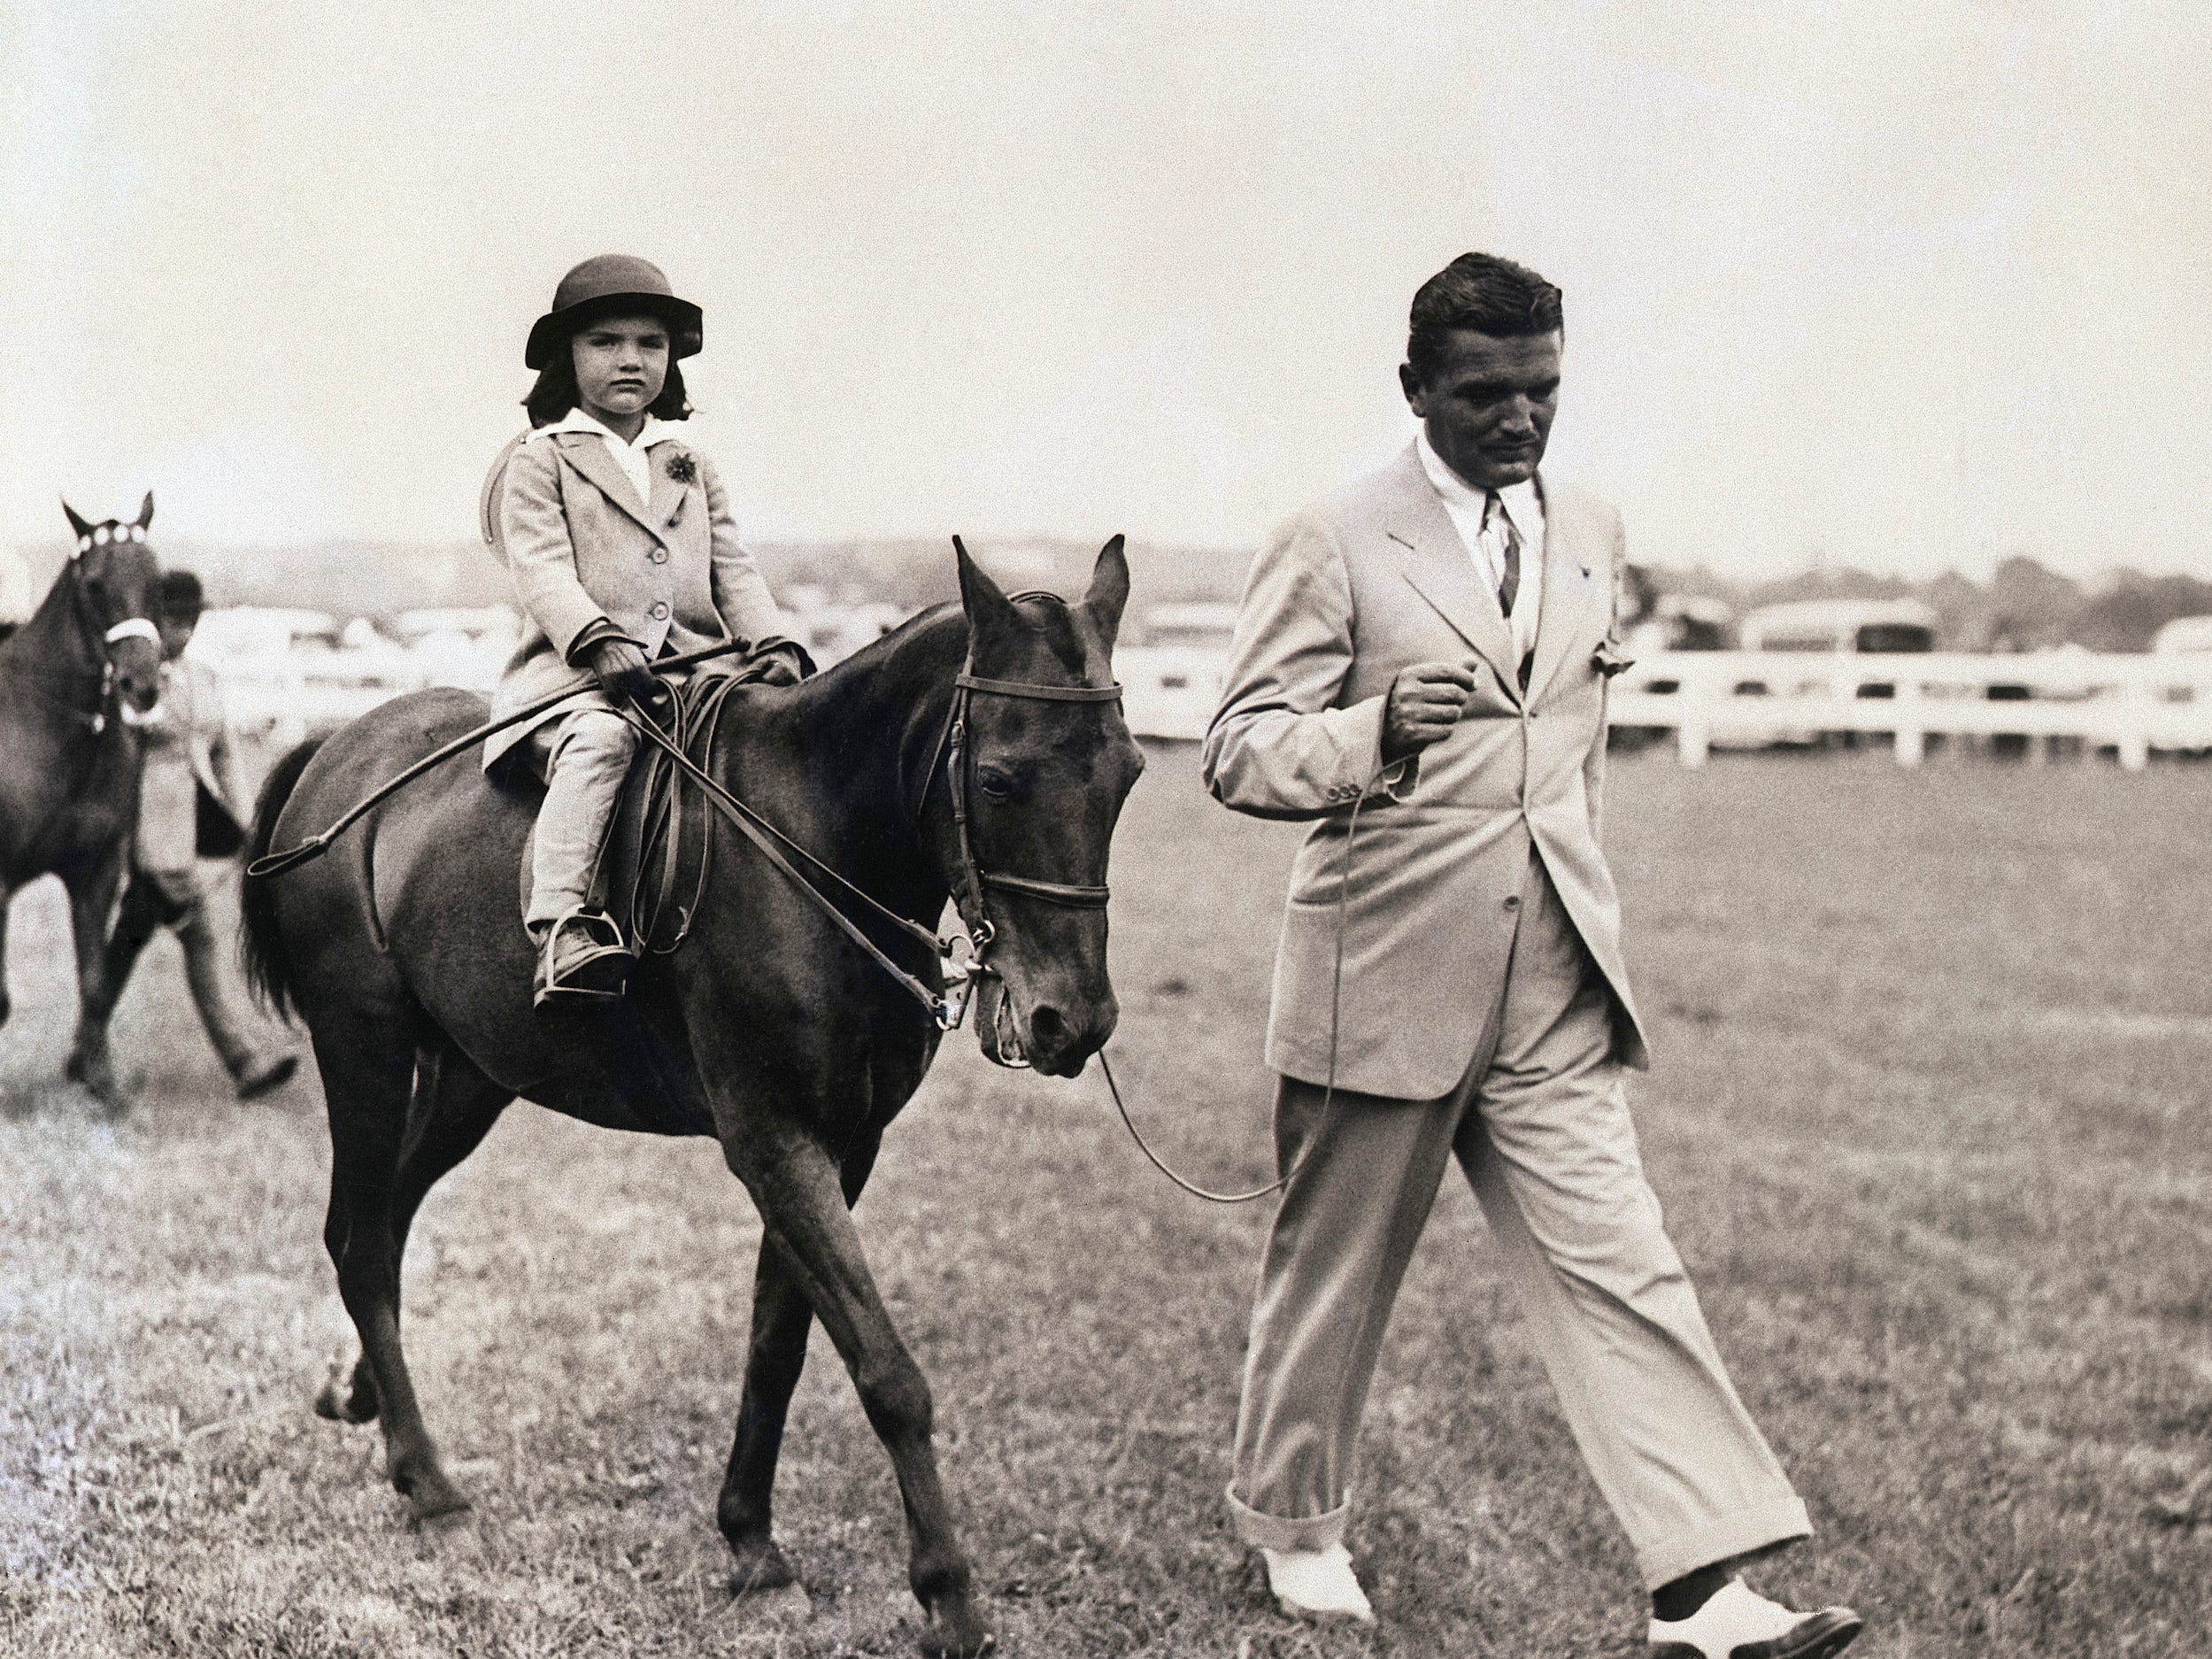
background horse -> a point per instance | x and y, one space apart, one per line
770 1029
69 678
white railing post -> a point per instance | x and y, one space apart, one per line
1912 737
2134 738
1694 737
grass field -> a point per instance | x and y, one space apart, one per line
1930 1119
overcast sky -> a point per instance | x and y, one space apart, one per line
1899 285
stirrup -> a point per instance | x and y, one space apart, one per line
595 965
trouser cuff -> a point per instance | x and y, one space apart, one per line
1287 1533
1737 1533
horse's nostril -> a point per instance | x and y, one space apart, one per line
1046 1025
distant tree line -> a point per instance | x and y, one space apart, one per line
2022 606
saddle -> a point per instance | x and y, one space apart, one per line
653 865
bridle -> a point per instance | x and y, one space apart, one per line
959 770
95 718
953 760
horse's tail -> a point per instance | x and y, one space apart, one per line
260 944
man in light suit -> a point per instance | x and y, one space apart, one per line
1420 666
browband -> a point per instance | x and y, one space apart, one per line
1049 694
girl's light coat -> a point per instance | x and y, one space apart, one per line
670 572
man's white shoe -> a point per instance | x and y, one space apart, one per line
1737 1623
1317 1584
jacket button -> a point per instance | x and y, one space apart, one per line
660 555
660 609
1513 901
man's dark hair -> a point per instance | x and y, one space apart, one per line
555 392
180 596
1483 292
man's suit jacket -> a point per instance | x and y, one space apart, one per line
670 572
1372 581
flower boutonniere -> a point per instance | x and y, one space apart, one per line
1609 658
682 467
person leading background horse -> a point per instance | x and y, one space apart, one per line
189 806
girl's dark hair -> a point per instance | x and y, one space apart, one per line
555 392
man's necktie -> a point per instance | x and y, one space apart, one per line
1505 542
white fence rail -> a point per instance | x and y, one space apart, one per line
2130 703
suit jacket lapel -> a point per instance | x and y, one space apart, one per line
1442 570
1578 594
587 455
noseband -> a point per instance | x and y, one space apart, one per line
129 627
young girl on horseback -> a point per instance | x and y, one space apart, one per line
622 548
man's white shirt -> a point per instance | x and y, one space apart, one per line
1467 504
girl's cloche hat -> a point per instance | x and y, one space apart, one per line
603 286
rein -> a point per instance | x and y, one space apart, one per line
277 863
954 758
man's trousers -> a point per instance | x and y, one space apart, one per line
1540 1125
174 899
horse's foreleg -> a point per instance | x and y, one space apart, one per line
367 1079
454 1108
781 1320
797 1187
92 889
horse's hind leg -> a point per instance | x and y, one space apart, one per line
368 1066
455 1106
797 1189
781 1317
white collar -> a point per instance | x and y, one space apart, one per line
654 431
1523 502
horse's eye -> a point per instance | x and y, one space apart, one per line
994 784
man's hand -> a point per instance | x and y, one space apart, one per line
779 665
619 665
1425 703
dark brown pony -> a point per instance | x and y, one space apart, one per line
69 679
404 952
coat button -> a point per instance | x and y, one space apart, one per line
660 609
1513 901
660 555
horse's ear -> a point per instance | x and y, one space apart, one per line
989 610
1109 589
77 525
146 511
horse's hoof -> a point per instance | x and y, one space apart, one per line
760 1567
789 1604
432 1497
956 1630
347 1395
93 1071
